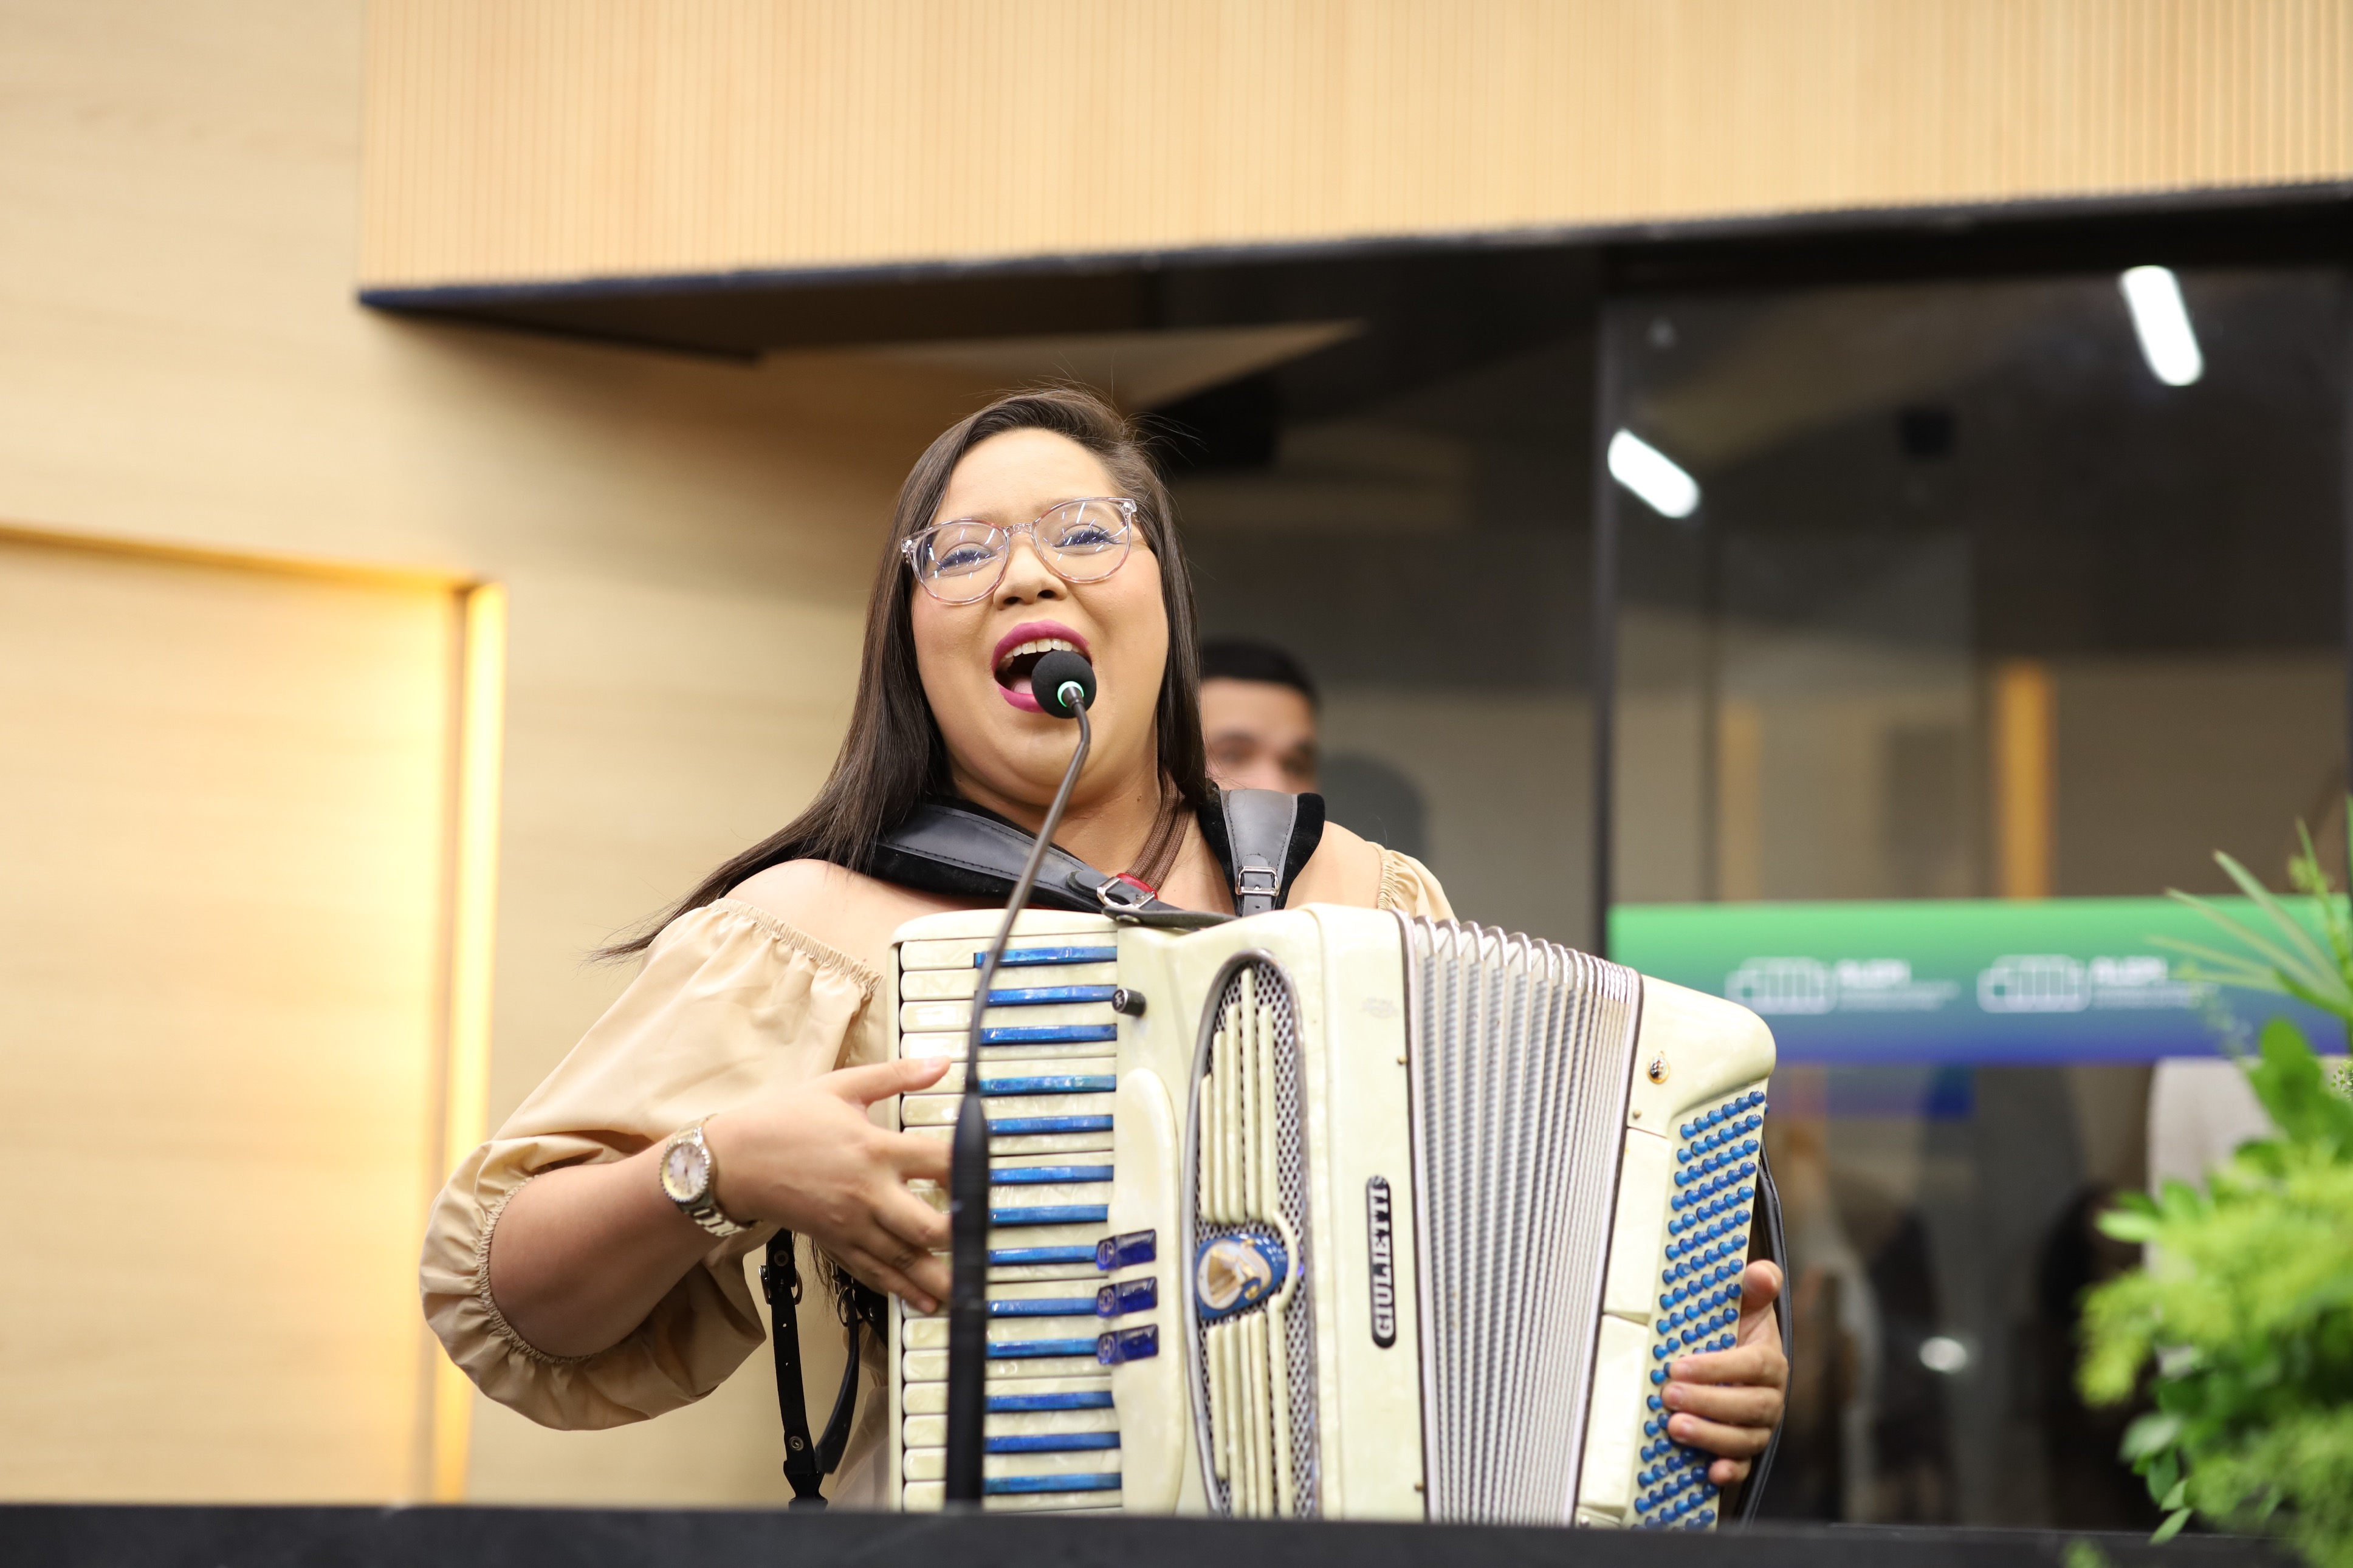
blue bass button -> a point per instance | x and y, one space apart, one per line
1127 1296
1128 1344
1126 1250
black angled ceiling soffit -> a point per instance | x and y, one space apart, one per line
1429 305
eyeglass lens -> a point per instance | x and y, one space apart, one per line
1082 540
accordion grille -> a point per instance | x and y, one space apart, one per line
1254 1369
1522 1052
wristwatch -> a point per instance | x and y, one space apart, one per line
690 1178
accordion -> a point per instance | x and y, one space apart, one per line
1331 1213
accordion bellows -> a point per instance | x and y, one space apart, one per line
1333 1213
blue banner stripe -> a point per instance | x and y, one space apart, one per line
1071 1214
1007 1486
1042 996
1028 957
1050 1035
1026 1403
1019 1126
1053 1443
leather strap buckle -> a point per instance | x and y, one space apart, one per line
1125 892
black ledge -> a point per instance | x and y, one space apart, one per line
742 315
64 1536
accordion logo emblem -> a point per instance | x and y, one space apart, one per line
1381 1233
1235 1272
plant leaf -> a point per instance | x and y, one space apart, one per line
2322 970
2341 1006
2226 968
2282 960
2170 1528
2148 1434
2295 1092
2335 917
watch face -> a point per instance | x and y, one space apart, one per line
686 1172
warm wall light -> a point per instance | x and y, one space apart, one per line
1652 475
2160 319
2025 726
473 914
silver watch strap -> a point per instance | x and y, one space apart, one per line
704 1210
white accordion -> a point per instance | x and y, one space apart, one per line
1332 1213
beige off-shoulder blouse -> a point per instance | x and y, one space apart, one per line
732 1002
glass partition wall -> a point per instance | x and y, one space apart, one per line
1993 590
1965 613
1419 543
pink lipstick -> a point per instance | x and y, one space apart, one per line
1019 651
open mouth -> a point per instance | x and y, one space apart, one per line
1014 665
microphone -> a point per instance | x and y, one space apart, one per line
1052 675
1064 685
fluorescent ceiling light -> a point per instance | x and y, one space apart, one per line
2166 339
1652 475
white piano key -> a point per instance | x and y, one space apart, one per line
957 1016
955 984
932 1367
932 1398
932 1431
1001 1144
930 1497
930 1464
953 1044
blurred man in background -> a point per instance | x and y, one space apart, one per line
1257 717
1260 716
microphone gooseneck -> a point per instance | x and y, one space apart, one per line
1064 686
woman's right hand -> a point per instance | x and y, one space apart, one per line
809 1159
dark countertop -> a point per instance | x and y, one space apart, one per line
124 1536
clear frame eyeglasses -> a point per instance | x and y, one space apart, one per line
1082 540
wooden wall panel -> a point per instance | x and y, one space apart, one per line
534 138
685 547
222 859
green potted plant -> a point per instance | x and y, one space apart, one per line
2242 1319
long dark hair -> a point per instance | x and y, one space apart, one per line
893 755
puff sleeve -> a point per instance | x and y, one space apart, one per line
731 1002
1407 888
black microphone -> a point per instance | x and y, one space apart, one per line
1064 685
1057 670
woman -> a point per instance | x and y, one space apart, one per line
558 1271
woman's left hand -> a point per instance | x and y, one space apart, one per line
1728 1401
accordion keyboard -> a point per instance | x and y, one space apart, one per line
1699 1294
1062 1306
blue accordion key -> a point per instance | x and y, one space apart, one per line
1707 1250
1067 1301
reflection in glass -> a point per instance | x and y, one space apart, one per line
1421 549
2013 588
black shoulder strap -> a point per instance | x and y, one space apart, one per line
1769 1210
1264 837
806 1463
946 847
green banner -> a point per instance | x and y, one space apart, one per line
1963 980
